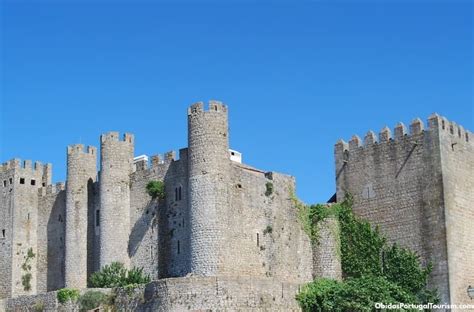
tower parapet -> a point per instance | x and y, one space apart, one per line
81 173
415 187
209 175
116 166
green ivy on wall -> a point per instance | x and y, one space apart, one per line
373 270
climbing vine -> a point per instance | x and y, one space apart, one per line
26 267
373 270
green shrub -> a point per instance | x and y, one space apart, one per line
156 189
92 299
269 189
116 275
26 281
268 230
39 306
67 294
356 294
136 276
26 266
373 271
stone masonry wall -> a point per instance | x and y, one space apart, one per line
327 250
51 233
81 174
209 166
26 182
457 159
174 242
214 294
397 184
159 239
263 235
7 175
116 167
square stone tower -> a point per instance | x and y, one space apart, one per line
418 187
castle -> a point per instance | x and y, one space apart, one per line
224 227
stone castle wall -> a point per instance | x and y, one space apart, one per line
115 168
81 175
51 237
20 182
457 150
327 250
401 184
265 227
225 293
209 168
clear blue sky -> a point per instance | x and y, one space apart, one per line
296 77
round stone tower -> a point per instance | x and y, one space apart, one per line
81 174
115 169
209 175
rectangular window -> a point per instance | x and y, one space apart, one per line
3 233
179 193
179 248
97 218
22 180
4 183
258 240
11 180
33 182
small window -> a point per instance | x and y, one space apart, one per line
11 180
459 132
22 180
451 129
258 240
177 193
179 248
97 218
232 153
60 218
467 137
33 182
443 125
28 216
4 183
43 184
3 233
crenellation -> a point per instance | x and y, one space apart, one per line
412 187
416 126
217 106
225 222
355 143
170 156
141 165
385 135
27 165
183 153
341 146
370 138
196 108
400 131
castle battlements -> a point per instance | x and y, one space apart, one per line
36 172
217 217
114 136
79 148
52 189
417 130
213 106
